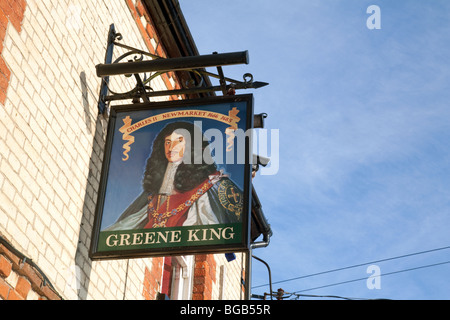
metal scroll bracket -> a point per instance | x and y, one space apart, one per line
157 66
108 60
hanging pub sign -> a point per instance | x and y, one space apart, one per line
176 179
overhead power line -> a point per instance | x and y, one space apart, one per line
365 278
355 266
298 295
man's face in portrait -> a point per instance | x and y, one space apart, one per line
174 147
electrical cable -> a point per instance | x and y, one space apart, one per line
270 273
384 274
322 296
288 295
354 266
296 293
32 264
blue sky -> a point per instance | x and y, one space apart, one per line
364 124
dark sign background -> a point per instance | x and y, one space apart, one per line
132 130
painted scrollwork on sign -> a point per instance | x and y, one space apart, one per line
128 128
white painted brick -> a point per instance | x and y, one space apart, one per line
51 151
15 183
6 203
14 163
14 64
33 234
19 235
26 194
32 295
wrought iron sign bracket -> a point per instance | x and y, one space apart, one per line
158 66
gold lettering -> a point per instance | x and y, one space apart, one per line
164 237
137 238
112 243
228 233
176 236
124 239
149 238
216 233
193 235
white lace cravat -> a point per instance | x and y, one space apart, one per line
169 177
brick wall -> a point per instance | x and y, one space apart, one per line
51 151
204 276
11 11
229 278
151 39
152 279
210 281
19 279
52 138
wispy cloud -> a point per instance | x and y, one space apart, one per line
364 129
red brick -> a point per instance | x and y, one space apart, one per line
50 294
207 296
140 8
13 295
5 7
10 11
2 37
16 21
5 266
3 20
16 15
4 289
3 82
150 31
197 296
131 7
4 70
2 96
199 288
204 275
3 87
23 286
21 3
30 273
160 52
146 294
18 9
8 254
151 279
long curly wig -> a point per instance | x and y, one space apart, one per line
190 172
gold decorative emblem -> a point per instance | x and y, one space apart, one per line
128 128
230 197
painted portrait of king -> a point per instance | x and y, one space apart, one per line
181 185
